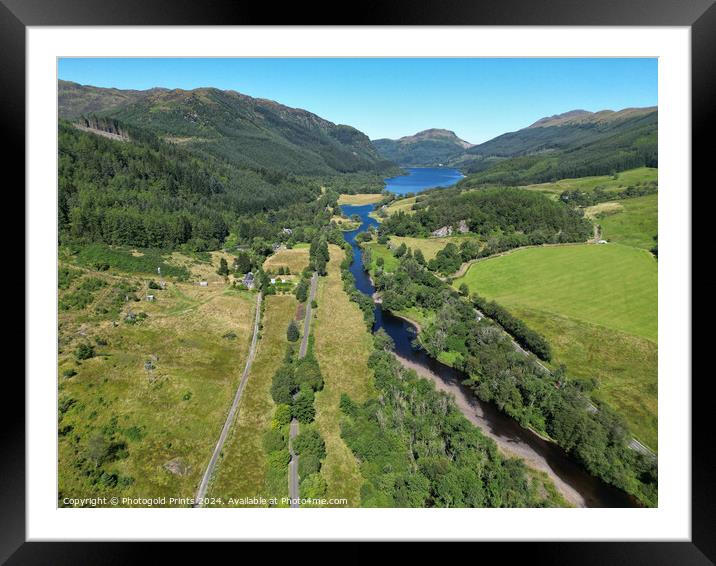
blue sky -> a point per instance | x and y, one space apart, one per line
476 98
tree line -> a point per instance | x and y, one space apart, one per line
492 211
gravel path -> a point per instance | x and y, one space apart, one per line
203 486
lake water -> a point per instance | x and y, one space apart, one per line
421 178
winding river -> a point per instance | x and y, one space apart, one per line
576 485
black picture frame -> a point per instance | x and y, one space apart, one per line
699 15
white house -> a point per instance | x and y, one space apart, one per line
203 283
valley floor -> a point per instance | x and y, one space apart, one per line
342 347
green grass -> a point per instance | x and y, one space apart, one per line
243 470
404 205
597 307
430 246
296 259
625 366
172 412
128 261
381 250
611 285
360 199
635 224
342 346
587 184
417 315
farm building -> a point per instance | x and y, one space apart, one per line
248 280
203 283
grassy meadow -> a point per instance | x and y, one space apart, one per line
381 250
633 223
144 387
430 246
401 205
296 259
360 199
342 346
608 182
243 470
597 307
610 285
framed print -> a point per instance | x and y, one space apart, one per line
424 276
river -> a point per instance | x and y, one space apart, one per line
574 482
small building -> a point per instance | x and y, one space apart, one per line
273 280
203 283
150 298
276 247
601 242
248 280
287 231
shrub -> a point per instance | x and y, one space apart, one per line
310 443
282 385
282 416
308 464
313 486
292 333
84 351
273 440
303 408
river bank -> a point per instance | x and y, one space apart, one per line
472 410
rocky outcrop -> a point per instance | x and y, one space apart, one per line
442 232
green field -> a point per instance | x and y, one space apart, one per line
380 250
142 415
243 470
360 199
342 346
635 224
611 285
588 184
597 306
624 365
430 246
400 205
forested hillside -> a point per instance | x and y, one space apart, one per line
247 132
489 211
149 193
425 149
573 146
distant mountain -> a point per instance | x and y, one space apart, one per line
246 131
75 100
573 144
424 149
